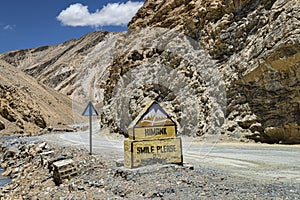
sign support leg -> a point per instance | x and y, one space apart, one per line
90 111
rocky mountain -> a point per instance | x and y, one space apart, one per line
226 67
27 106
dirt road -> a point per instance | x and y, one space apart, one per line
261 162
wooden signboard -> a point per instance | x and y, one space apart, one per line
139 153
152 122
152 139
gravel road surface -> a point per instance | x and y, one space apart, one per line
251 160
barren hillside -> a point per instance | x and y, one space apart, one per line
27 106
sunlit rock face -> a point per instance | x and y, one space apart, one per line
272 93
171 68
223 27
268 83
217 66
256 46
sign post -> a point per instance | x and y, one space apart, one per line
152 139
90 111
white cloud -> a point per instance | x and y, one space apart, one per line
117 14
8 27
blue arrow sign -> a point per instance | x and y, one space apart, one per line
90 110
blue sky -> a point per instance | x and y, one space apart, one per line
33 23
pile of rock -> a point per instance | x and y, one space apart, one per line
16 155
21 157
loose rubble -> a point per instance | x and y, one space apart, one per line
27 161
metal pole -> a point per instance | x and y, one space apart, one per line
90 112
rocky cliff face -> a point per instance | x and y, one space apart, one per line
217 66
256 46
221 26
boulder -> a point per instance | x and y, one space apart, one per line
246 121
10 152
288 134
7 172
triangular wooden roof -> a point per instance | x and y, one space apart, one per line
152 115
